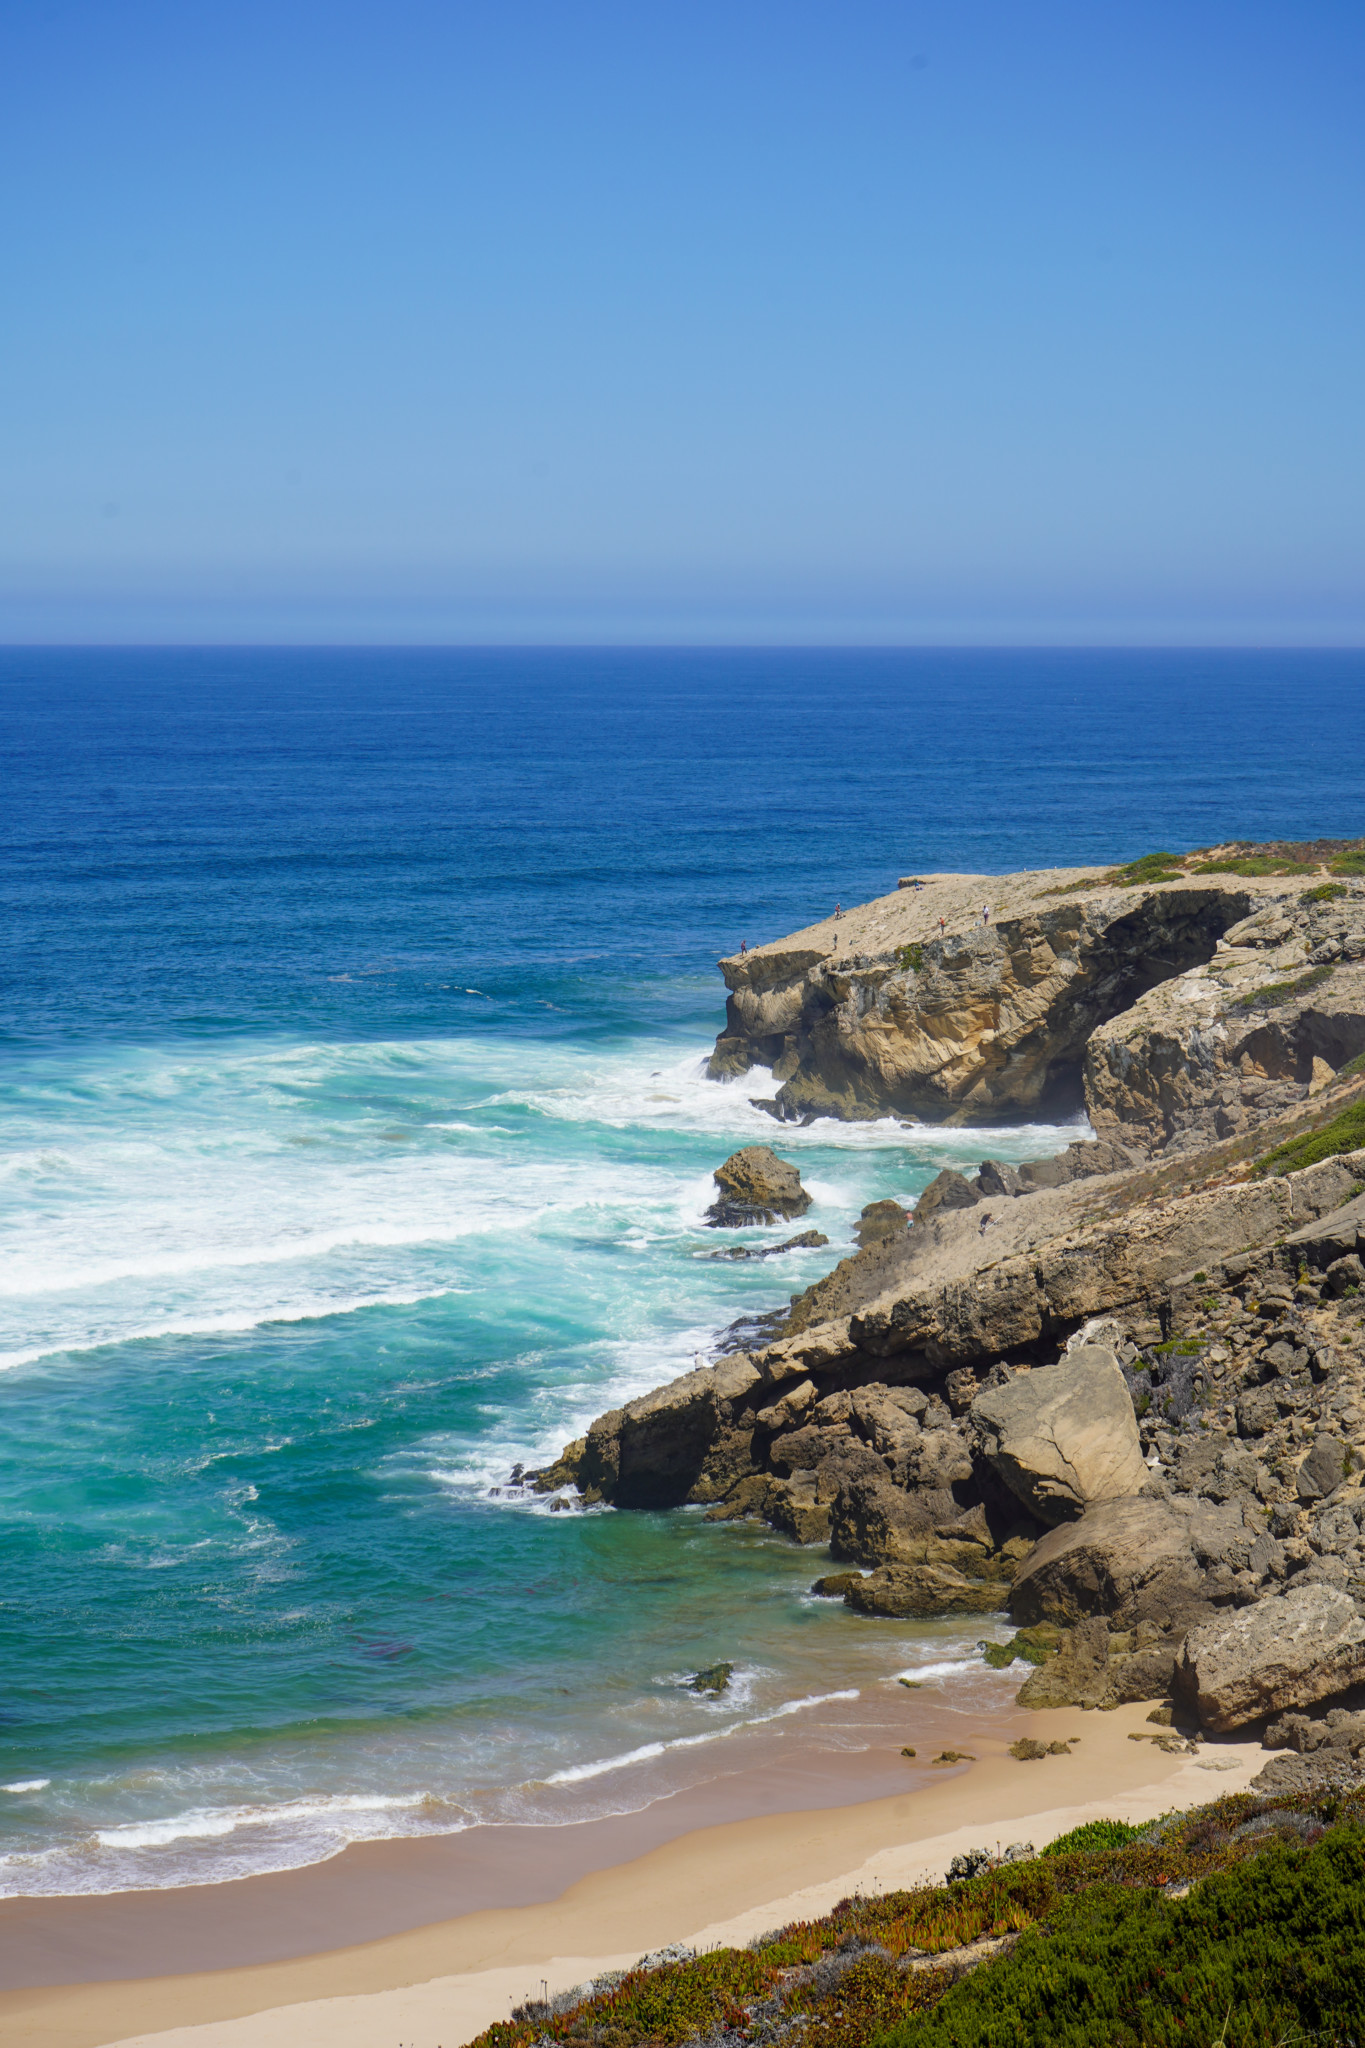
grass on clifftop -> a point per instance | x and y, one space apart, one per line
1102 1941
1345 1133
1242 857
1285 991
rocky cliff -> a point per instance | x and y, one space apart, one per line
1120 1393
974 999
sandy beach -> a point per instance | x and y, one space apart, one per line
438 1982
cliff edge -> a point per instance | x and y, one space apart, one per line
978 998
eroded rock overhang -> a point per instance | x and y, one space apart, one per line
970 999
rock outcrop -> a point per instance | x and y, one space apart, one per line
1305 1645
1119 1393
1180 1001
1065 1437
756 1187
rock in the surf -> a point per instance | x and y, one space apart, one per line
756 1187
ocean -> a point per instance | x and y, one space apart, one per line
354 1144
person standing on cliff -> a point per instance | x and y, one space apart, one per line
744 945
838 910
942 926
985 913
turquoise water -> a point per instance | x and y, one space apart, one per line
354 1146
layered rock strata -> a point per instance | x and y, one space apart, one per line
1187 1005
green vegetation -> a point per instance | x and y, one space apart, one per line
1094 1834
1351 863
1242 1923
1180 1347
910 957
1153 867
1285 991
1355 1066
1248 864
1345 1133
1270 1953
1326 892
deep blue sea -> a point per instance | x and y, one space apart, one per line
354 1145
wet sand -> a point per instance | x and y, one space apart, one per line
423 1943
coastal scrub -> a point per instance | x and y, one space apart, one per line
1247 1916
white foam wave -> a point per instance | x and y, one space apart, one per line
207 1822
951 1667
27 1785
190 1194
577 1774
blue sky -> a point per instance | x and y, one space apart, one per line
737 320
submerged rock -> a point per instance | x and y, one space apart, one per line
809 1240
756 1187
834 1585
713 1681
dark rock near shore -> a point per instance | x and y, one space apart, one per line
879 1220
922 1591
948 1190
809 1240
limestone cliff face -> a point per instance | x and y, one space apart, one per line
913 1005
1276 1012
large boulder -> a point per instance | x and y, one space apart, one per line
1307 1644
756 1187
1063 1437
921 1590
874 1521
1094 1668
1161 1561
879 1220
947 1190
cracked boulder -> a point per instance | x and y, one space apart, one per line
1063 1437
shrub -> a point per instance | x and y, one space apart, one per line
1094 1834
1326 892
1105 1954
910 957
1267 1952
1248 864
1152 867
